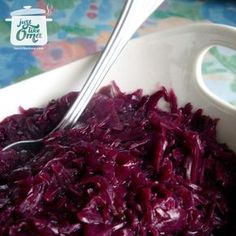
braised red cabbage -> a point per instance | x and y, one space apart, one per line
129 167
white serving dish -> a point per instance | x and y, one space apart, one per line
171 58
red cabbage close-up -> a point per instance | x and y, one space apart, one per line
130 167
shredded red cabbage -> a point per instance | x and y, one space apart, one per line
129 167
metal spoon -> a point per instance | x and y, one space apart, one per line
135 12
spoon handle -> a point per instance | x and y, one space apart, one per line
133 15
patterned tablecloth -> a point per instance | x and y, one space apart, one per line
82 27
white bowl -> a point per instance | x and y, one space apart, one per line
171 58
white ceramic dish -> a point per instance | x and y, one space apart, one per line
171 58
